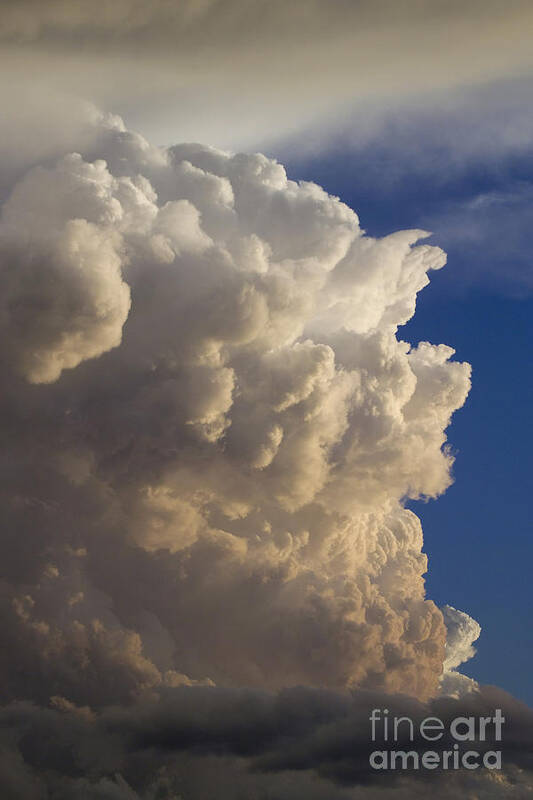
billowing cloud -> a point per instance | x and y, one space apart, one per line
212 425
221 412
63 297
461 633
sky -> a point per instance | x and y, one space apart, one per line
265 315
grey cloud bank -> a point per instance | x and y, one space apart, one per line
196 742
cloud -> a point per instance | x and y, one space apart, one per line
63 298
441 133
192 742
461 632
211 428
458 164
211 424
223 429
190 69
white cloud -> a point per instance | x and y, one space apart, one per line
461 633
238 441
63 298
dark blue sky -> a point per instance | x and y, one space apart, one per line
480 209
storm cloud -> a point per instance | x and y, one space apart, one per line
197 742
240 440
212 425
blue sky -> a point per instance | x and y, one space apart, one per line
479 207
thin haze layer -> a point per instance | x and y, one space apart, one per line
241 72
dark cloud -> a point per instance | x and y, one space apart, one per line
255 744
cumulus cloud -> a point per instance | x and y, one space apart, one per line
63 298
212 425
242 437
461 633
